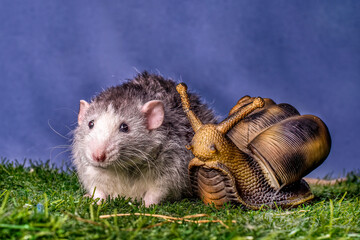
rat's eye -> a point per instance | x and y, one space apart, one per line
124 127
91 124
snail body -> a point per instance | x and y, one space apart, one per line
257 156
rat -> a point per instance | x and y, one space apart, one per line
130 141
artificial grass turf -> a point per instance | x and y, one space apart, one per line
43 202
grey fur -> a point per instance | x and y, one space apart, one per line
155 158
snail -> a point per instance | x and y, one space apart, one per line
257 156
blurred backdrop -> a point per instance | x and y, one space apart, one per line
54 53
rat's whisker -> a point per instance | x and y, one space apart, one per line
60 153
59 134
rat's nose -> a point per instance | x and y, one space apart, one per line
99 156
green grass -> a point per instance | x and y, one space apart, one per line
41 202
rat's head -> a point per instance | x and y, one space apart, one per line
117 135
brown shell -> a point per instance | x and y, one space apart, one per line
287 145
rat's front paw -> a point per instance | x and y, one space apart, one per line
153 197
97 195
88 195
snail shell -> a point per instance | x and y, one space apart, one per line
287 145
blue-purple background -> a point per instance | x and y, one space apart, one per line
54 53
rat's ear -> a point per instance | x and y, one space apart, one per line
154 113
84 105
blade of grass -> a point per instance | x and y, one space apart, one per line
4 202
340 201
331 216
3 168
92 217
46 206
14 226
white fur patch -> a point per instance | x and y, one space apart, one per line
109 182
105 128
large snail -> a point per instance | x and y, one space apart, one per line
257 156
